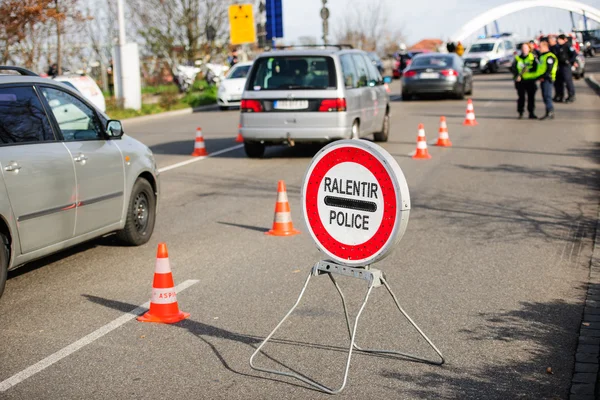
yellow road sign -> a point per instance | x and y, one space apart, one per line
241 24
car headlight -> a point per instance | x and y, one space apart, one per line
484 61
221 89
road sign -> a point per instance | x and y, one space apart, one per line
241 24
274 26
356 202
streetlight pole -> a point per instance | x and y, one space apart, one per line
122 41
325 17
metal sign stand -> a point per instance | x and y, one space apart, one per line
375 278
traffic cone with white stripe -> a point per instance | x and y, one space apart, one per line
422 152
239 138
443 138
163 304
282 222
199 148
470 117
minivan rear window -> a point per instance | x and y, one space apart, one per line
293 73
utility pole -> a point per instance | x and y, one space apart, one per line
325 17
122 40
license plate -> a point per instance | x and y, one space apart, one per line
429 75
290 104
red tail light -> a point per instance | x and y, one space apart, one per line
333 105
251 106
409 73
449 72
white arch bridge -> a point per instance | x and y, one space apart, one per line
498 12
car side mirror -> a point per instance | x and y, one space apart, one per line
114 129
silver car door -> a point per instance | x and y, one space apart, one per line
367 100
353 94
379 94
99 164
37 171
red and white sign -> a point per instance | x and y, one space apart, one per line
356 202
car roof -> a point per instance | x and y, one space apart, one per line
308 52
11 79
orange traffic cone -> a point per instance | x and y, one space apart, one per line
443 138
282 222
239 138
163 304
422 152
470 118
199 148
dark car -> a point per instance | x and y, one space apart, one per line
436 73
376 61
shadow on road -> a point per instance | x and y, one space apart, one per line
186 147
249 227
542 328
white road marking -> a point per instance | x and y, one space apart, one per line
489 103
193 160
84 341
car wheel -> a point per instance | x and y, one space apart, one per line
254 149
383 135
141 215
461 93
406 96
470 92
4 259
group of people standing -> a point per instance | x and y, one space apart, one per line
551 66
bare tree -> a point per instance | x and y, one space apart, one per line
368 28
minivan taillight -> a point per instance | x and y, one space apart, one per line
333 105
449 72
250 106
409 73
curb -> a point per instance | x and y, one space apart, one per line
593 83
185 111
586 374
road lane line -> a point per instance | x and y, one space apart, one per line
193 160
489 103
84 341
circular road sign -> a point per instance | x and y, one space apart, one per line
356 202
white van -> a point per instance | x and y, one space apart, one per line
490 54
87 87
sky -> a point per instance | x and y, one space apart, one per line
422 19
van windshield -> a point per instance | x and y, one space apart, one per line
293 73
481 47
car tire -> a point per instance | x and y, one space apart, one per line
254 149
141 215
383 135
470 92
406 96
460 95
4 259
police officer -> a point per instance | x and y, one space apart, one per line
567 56
524 71
546 73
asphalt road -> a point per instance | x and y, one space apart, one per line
493 267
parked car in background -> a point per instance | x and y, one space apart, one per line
68 173
591 42
437 73
318 95
87 87
231 87
490 54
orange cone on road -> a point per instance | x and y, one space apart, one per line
422 152
163 303
282 222
443 138
470 118
199 148
239 138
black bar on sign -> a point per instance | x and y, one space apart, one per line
352 204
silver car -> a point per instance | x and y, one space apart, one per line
68 174
312 95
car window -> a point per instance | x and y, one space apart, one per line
75 119
432 61
22 117
350 78
508 45
500 48
361 70
293 73
481 47
238 72
373 74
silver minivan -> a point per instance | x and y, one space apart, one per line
313 95
67 173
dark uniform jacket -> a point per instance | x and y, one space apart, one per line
566 55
